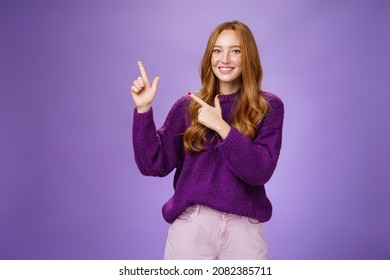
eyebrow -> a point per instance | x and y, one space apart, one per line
234 46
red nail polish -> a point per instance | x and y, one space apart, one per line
219 96
189 93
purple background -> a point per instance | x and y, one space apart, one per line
69 186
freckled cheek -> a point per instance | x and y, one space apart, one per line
214 64
214 61
237 61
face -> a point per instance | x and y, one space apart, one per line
226 61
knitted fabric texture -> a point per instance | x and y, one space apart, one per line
229 176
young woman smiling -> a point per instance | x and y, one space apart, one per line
224 143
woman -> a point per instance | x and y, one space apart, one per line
224 143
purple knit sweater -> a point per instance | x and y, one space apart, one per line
229 176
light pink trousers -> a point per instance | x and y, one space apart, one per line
201 233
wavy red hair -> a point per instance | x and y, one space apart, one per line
251 105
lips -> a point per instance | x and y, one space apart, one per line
226 70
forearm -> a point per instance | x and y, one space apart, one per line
252 162
151 158
143 109
222 128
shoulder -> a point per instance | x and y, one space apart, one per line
181 104
180 107
183 101
274 101
276 111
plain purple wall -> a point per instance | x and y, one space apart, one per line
69 186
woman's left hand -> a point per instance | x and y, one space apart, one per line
211 117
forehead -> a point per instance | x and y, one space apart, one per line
228 38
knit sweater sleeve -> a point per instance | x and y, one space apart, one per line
255 161
157 152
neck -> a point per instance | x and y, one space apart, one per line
229 88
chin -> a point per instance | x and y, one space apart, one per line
228 79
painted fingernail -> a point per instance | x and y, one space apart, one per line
219 96
189 93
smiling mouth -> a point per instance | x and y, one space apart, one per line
225 68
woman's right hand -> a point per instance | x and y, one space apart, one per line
142 92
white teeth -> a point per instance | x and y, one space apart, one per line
225 69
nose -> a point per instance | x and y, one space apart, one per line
226 57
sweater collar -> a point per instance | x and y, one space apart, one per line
229 97
226 94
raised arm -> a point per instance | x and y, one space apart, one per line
156 151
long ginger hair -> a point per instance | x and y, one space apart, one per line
251 105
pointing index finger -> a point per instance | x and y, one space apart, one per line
143 73
197 99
